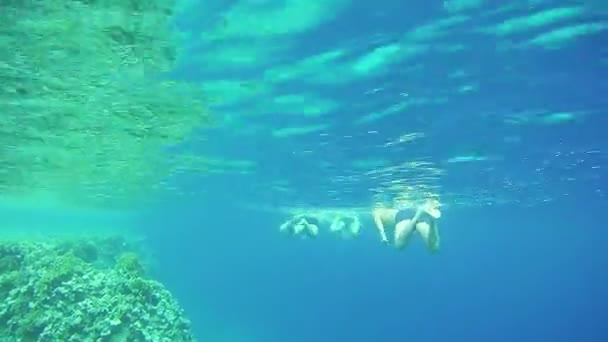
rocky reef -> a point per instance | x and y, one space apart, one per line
81 290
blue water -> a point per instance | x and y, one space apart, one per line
523 242
506 129
504 274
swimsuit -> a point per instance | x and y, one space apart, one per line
408 214
405 214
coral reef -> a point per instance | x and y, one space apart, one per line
68 291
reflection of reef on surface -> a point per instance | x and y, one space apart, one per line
81 290
84 113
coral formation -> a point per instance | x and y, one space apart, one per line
62 292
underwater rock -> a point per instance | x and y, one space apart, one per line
48 293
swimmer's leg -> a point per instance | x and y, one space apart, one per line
355 228
337 225
300 227
313 230
286 227
430 235
403 232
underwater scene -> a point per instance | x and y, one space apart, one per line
303 170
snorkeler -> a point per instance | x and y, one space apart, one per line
406 221
347 226
306 225
344 224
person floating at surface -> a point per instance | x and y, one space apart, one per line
347 225
304 225
406 221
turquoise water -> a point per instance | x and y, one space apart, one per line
498 104
495 108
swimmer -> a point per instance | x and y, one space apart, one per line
347 226
406 221
306 225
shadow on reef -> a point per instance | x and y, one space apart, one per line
83 290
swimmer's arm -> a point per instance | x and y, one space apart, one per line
334 224
380 227
414 220
419 213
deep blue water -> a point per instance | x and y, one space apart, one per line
504 274
523 241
